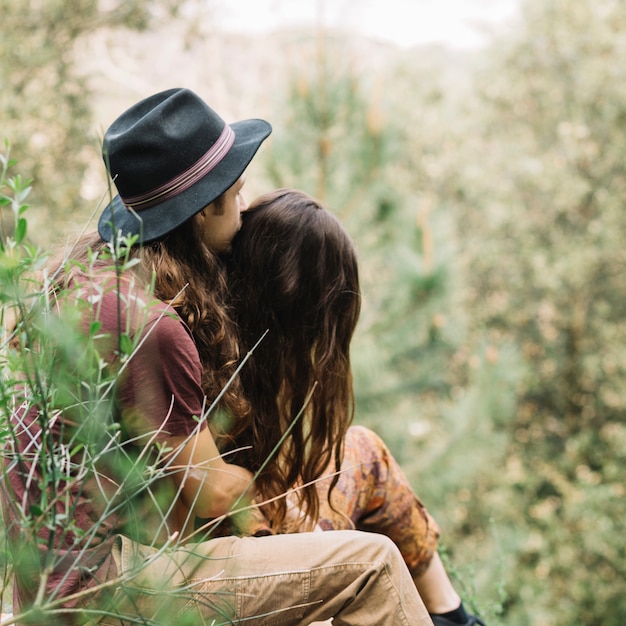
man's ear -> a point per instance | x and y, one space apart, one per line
198 219
210 209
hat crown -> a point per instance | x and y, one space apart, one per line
157 139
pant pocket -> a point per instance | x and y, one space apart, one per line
274 599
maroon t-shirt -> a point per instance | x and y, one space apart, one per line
159 396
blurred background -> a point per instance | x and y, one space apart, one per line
474 150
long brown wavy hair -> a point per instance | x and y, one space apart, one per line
293 272
191 277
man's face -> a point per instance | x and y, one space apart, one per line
220 223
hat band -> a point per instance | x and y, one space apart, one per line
187 178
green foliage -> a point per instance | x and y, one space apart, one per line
45 101
542 221
334 117
484 193
54 364
343 143
418 380
491 348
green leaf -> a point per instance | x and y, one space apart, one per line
35 510
20 230
126 344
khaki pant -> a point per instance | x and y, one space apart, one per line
359 579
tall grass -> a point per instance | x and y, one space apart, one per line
56 368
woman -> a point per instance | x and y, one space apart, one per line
293 273
109 453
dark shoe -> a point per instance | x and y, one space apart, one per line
472 620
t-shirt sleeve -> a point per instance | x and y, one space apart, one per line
162 392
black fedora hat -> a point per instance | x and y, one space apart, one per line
169 156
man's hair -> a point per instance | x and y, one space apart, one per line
181 261
189 276
293 272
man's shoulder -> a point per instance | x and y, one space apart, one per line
126 304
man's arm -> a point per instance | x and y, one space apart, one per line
208 485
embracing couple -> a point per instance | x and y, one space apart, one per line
264 506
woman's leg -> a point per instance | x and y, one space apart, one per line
356 578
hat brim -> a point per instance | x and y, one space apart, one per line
157 221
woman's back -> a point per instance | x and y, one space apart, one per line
293 273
